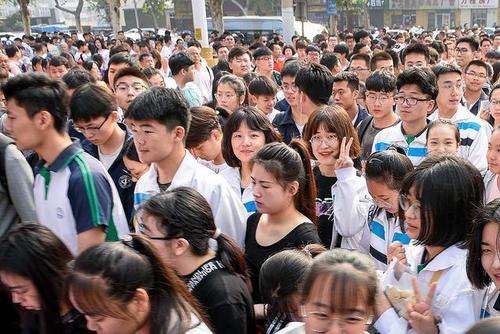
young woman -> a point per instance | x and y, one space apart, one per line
155 77
181 225
483 259
123 287
245 133
324 131
204 138
92 67
100 45
339 293
492 114
230 96
284 190
33 267
438 202
132 162
443 136
491 179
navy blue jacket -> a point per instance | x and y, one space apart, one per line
285 124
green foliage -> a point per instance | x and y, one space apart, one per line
155 6
13 22
101 8
353 5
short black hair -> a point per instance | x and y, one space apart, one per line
381 81
290 69
312 48
130 71
262 51
37 59
358 47
77 77
262 86
479 63
445 69
120 58
492 54
57 61
329 60
315 81
361 56
91 101
417 48
380 56
422 77
350 77
179 61
358 35
474 45
36 92
342 49
144 55
300 44
237 52
164 105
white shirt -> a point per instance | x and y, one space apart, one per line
233 177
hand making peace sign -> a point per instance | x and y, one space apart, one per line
344 160
420 314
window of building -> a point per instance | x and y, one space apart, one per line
479 17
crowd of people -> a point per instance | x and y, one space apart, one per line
348 184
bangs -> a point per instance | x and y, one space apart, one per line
325 119
90 294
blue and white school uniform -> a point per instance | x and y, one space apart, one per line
473 136
233 177
455 300
229 213
489 301
416 150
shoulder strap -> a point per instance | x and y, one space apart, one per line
4 142
363 126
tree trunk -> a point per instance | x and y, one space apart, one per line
114 11
25 14
77 13
366 17
155 21
216 8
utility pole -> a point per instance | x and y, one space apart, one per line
288 20
136 15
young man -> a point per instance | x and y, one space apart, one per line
301 47
264 65
183 72
58 67
95 114
159 121
345 91
331 62
116 63
350 42
466 51
240 61
379 97
473 131
129 82
146 60
313 53
83 54
342 52
415 99
74 195
382 61
360 65
476 76
415 55
264 91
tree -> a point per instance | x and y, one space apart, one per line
114 13
356 6
101 8
25 15
216 9
76 12
154 7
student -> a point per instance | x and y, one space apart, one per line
382 61
159 120
245 133
129 82
466 51
132 162
492 114
342 52
94 113
264 65
74 195
483 260
204 139
379 97
58 67
324 132
360 65
415 55
491 179
230 96
240 61
124 287
313 53
330 61
415 99
345 91
183 71
264 93
443 136
476 75
284 190
438 200
473 132
116 63
33 268
210 263
339 292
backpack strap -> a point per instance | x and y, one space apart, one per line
363 126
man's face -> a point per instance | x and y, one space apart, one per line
276 51
379 104
313 56
113 68
413 113
98 130
496 42
121 36
264 63
475 78
366 41
485 47
385 64
127 88
365 50
154 142
450 90
343 95
428 40
241 65
360 68
24 129
291 91
4 62
490 61
222 53
57 72
350 43
194 53
301 53
464 54
229 41
415 60
147 61
332 41
189 73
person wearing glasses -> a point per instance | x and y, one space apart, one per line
128 83
473 131
415 99
360 65
94 113
477 74
466 51
74 195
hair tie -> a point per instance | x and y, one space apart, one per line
212 242
216 234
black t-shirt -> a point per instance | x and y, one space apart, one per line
224 297
72 323
256 255
324 206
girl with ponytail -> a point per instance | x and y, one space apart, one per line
285 194
181 225
124 287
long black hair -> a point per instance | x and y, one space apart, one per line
33 252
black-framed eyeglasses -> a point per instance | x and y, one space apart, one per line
91 128
141 229
411 101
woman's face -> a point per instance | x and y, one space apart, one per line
490 253
319 317
210 148
494 105
288 53
157 81
98 44
411 207
135 168
442 140
22 291
246 142
385 197
227 98
95 72
270 196
493 155
325 146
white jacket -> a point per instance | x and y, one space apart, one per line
473 136
233 177
229 213
454 300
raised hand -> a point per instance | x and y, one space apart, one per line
344 160
396 250
420 314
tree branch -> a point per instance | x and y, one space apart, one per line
58 6
243 10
